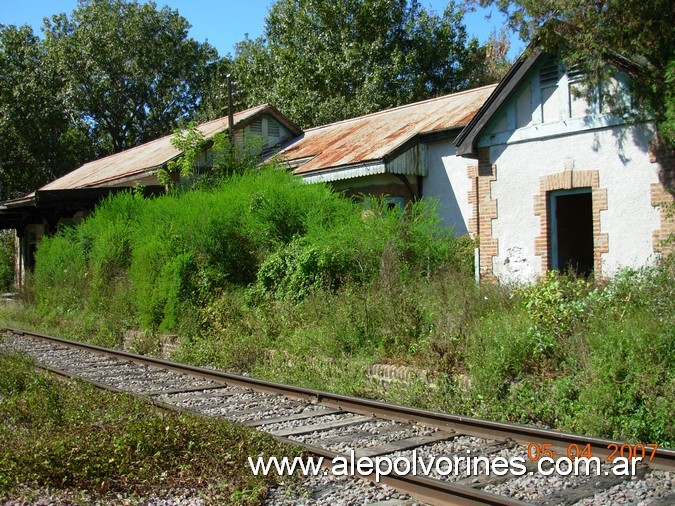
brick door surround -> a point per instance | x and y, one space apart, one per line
568 180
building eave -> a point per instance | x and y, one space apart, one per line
363 169
466 140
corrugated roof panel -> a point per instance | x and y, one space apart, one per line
360 170
141 158
411 161
374 136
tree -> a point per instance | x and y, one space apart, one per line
214 99
632 36
39 140
494 63
131 71
325 60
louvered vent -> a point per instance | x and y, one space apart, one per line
256 127
548 75
575 74
272 128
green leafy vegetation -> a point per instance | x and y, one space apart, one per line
59 435
262 274
161 260
106 77
39 140
340 59
190 142
128 69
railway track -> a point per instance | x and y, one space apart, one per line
331 425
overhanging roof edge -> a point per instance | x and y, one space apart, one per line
371 168
466 139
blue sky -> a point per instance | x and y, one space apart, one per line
223 22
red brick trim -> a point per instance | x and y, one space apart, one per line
568 180
662 195
485 207
661 198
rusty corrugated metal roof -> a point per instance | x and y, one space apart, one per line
374 136
143 158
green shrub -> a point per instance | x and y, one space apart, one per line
61 279
501 350
557 305
650 288
182 249
627 388
357 249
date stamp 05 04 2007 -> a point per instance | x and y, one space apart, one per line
629 451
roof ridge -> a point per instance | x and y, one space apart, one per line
404 106
259 106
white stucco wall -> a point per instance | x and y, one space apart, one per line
447 180
619 154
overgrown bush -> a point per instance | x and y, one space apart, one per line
627 388
179 251
176 248
62 278
609 370
358 248
557 305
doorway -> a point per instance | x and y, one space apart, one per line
571 214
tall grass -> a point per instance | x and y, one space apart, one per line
6 260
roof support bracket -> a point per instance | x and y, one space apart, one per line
404 180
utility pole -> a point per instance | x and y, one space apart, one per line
230 113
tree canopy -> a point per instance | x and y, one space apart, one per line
111 75
635 37
325 60
39 140
131 71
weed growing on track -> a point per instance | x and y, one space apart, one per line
71 435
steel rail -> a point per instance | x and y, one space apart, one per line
429 490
